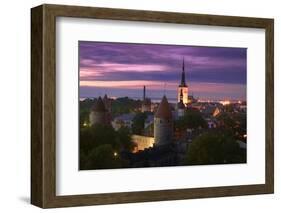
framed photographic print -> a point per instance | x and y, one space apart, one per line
137 106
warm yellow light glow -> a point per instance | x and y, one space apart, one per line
184 93
225 102
115 154
245 136
85 124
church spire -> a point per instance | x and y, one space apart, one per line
183 75
181 96
144 93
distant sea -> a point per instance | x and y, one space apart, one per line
158 100
155 95
155 100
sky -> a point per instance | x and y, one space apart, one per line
122 69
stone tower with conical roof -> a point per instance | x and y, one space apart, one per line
183 87
163 123
99 113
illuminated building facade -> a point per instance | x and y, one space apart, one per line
183 88
180 106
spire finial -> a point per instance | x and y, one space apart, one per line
144 93
183 63
183 74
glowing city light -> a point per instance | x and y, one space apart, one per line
226 102
115 154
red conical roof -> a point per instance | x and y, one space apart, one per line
99 106
164 110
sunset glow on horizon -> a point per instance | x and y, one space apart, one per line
121 69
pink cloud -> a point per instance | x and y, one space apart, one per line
132 84
118 67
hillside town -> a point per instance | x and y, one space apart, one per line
162 133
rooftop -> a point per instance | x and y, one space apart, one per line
164 110
99 106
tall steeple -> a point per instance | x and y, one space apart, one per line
183 75
144 93
183 88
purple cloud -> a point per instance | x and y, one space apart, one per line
110 62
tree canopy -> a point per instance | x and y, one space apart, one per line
100 145
235 123
192 119
124 105
214 148
102 157
138 123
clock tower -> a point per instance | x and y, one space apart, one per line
183 88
